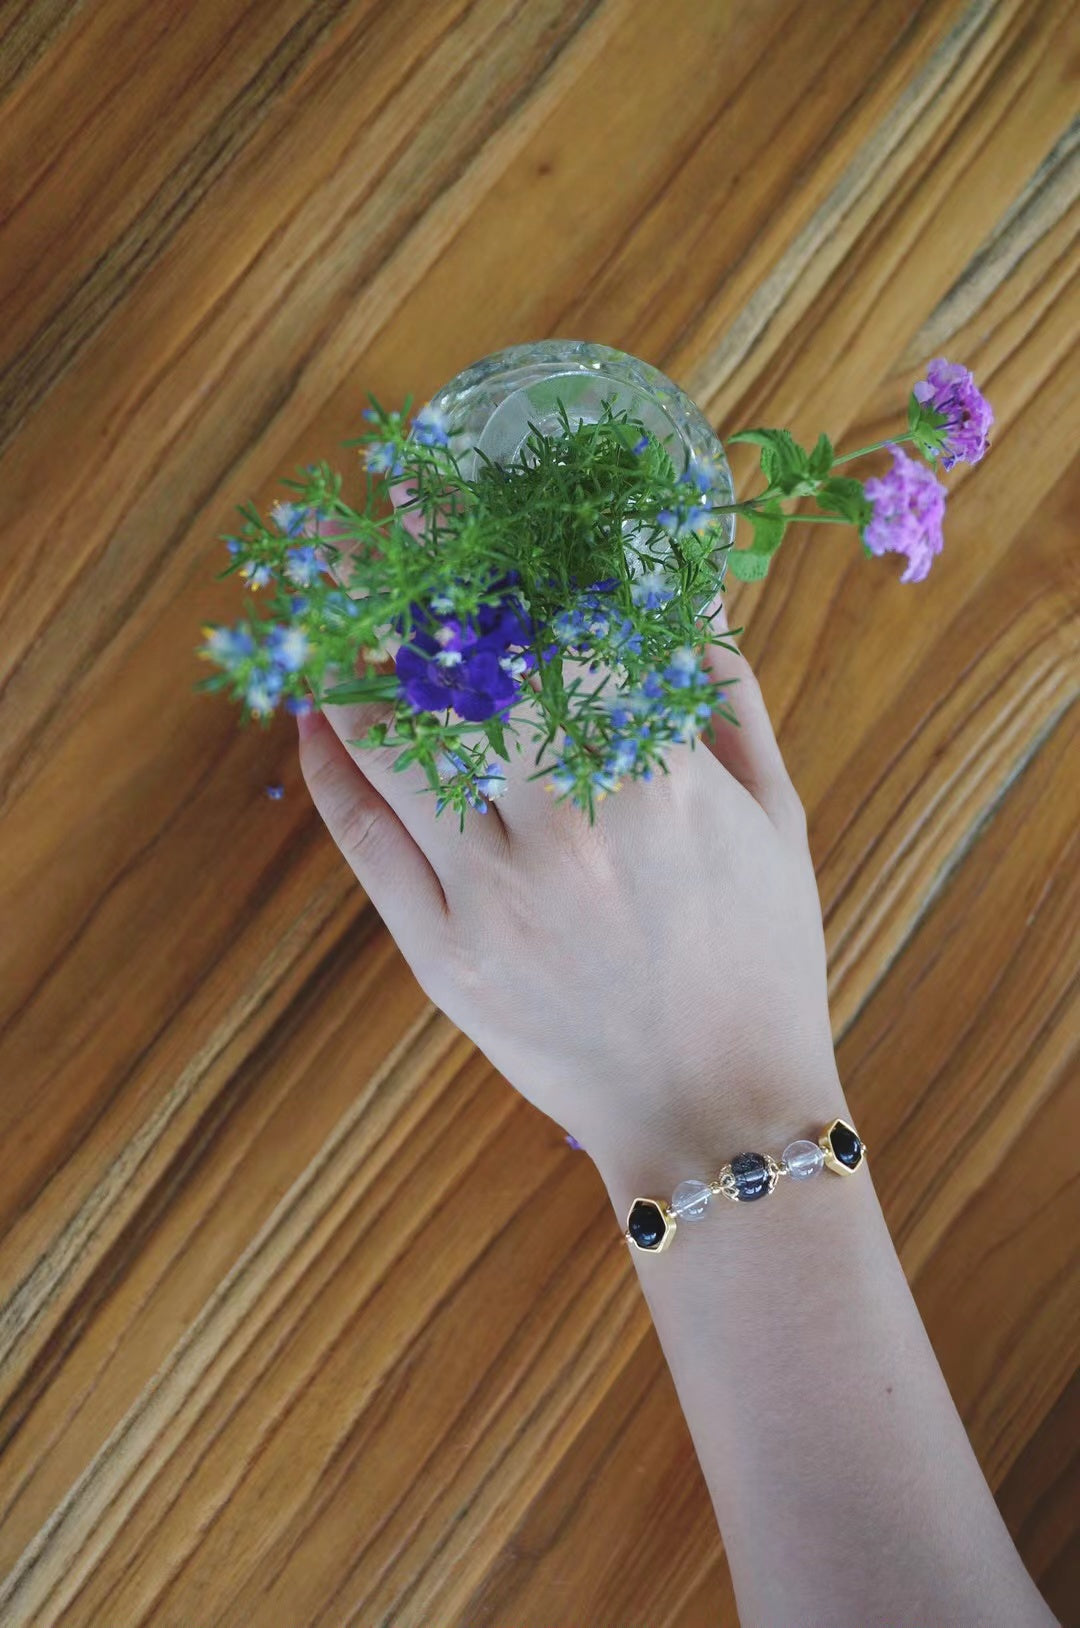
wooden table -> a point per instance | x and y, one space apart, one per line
256 1366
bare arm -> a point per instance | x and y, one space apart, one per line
843 1481
657 985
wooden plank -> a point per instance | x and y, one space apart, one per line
255 1364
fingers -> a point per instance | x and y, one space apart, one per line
748 750
408 793
392 870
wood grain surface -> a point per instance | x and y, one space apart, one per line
258 1363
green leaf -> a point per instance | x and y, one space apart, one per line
845 497
821 459
784 463
497 736
382 688
751 564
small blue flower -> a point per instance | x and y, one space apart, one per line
653 589
302 566
275 793
492 783
262 693
562 777
623 755
298 604
289 518
287 648
568 626
705 474
226 645
684 669
640 446
383 458
234 546
256 576
301 706
431 427
697 517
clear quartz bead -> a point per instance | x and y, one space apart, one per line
690 1200
802 1160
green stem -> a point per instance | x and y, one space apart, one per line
817 520
875 446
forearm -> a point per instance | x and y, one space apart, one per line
843 1481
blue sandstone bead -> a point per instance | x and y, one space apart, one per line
753 1179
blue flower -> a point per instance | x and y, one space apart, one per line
301 706
625 640
562 777
287 648
640 446
289 518
475 688
492 783
275 793
653 589
431 427
383 458
684 670
696 518
302 566
705 474
234 546
227 646
256 576
263 692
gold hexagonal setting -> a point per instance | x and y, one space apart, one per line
650 1225
843 1147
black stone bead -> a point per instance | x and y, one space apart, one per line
847 1148
752 1179
646 1224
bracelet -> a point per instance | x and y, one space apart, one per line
651 1223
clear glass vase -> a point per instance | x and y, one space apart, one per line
493 405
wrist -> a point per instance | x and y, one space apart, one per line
695 1136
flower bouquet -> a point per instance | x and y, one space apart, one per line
558 597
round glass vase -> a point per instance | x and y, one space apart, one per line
494 405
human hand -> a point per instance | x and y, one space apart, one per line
657 976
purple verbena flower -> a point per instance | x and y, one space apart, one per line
951 390
909 506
